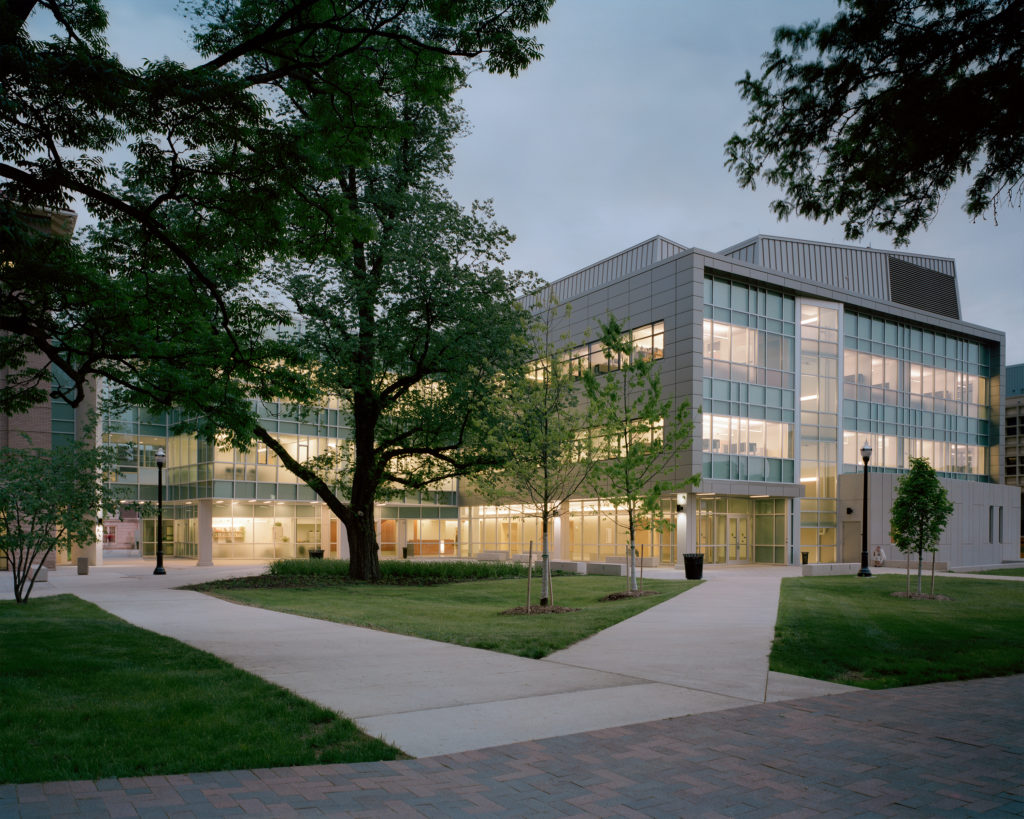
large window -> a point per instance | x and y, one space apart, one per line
728 435
913 392
648 343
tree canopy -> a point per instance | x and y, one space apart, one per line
872 117
188 168
295 172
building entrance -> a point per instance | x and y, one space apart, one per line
725 529
738 548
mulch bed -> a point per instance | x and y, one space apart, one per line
922 596
538 610
624 595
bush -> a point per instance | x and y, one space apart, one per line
404 572
308 568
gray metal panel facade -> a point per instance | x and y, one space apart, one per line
864 271
1015 379
615 267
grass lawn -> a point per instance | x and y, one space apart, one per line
851 630
467 614
1007 572
84 695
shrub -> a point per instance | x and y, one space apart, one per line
308 568
405 572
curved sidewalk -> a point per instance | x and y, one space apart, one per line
704 650
745 747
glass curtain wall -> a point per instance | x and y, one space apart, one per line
912 392
749 382
819 430
594 531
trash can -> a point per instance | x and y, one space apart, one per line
316 554
83 565
804 557
694 566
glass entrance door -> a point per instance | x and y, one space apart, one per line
738 547
725 530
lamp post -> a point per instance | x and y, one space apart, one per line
865 453
159 512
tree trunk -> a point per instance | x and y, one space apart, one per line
545 583
20 563
920 562
641 568
632 554
932 592
364 562
529 578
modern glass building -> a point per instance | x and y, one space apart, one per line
222 503
796 354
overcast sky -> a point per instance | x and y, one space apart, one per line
616 135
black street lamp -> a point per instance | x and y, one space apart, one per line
159 512
865 453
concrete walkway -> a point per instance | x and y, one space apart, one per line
705 650
955 749
670 713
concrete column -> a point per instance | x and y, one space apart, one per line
401 536
563 534
792 530
686 529
344 553
325 530
204 532
94 552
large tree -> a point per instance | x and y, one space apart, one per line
196 205
406 314
296 141
872 117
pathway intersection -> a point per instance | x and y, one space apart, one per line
672 712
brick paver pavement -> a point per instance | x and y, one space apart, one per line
951 749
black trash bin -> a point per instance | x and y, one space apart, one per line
694 566
316 554
804 557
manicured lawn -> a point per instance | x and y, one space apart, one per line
468 614
84 695
852 630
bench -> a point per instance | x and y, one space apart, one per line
649 562
613 569
495 554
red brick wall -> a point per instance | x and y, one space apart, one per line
36 423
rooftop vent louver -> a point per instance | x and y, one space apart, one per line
915 286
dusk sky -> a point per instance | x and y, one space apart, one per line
616 135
